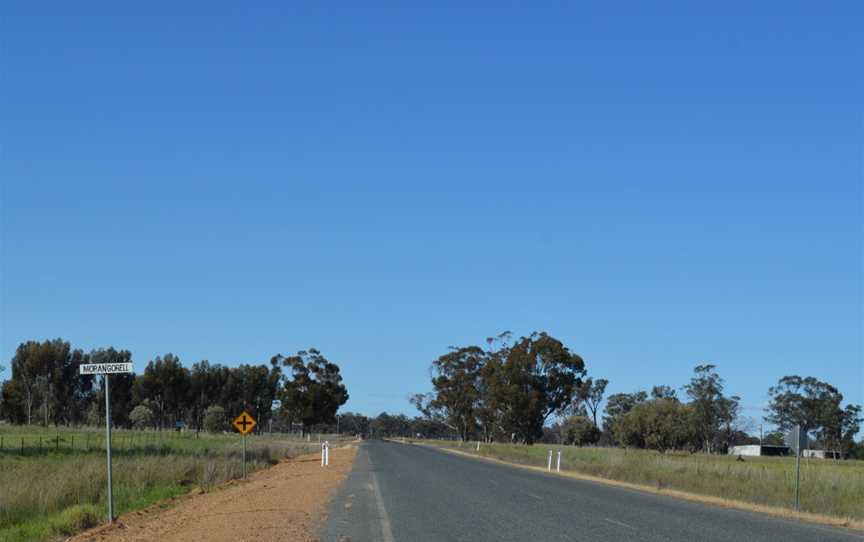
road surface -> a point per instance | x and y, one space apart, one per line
406 493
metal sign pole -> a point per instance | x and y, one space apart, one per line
798 470
108 447
244 456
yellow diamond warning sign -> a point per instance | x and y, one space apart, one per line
244 423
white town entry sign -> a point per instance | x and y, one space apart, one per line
105 368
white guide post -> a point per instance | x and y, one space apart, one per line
325 454
478 445
549 462
558 465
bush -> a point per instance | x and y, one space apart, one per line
214 419
659 424
141 417
579 430
77 518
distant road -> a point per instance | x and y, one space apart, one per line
405 493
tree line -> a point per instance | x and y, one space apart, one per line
298 391
536 389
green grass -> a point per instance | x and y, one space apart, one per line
50 491
833 488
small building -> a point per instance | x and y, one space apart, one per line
822 454
758 450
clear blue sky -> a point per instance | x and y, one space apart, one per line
657 187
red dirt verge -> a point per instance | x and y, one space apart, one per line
285 503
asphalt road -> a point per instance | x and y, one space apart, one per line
406 493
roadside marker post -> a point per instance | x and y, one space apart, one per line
105 369
244 423
325 454
558 465
549 462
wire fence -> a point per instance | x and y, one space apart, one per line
128 441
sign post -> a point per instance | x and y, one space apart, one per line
108 447
796 439
244 423
105 369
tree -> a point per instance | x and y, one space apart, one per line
385 425
857 451
165 383
664 392
456 377
659 424
205 383
531 380
591 394
121 386
46 376
2 369
12 404
141 417
617 406
579 431
215 420
815 406
313 392
712 410
352 423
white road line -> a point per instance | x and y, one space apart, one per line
533 496
619 523
386 532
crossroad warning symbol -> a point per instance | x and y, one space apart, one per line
244 423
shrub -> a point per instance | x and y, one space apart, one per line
214 419
77 518
141 417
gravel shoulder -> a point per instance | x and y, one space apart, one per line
285 503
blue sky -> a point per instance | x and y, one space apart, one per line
657 187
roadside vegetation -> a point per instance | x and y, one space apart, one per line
54 491
833 488
522 397
171 423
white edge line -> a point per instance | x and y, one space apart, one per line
620 523
386 532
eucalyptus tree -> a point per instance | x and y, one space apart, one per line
529 381
713 411
311 389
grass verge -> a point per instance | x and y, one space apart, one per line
52 493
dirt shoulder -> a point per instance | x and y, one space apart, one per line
284 503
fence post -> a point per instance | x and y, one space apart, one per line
22 445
